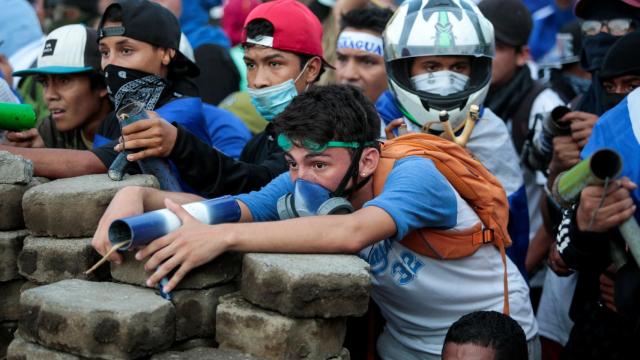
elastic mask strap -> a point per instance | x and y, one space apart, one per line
352 173
302 72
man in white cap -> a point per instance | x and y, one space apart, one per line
69 70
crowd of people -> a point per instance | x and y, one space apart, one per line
428 137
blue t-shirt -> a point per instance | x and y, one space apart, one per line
619 129
388 108
415 195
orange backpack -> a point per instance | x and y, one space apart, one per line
475 184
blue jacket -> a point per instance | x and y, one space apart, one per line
194 22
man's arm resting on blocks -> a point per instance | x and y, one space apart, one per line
59 163
195 243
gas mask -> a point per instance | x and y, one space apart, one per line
308 199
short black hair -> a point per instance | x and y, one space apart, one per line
370 18
262 27
332 112
493 330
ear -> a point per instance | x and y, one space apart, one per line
313 69
102 92
368 161
167 56
523 55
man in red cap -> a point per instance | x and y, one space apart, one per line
282 61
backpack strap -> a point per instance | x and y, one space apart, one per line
444 244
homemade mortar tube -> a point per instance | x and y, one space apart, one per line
143 229
17 117
158 167
602 165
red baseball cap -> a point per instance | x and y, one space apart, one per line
295 28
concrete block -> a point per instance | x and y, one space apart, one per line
24 350
196 311
72 207
28 285
10 246
15 169
344 355
203 353
97 320
11 204
193 343
10 300
307 285
219 271
47 260
269 335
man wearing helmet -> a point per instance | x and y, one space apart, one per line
439 57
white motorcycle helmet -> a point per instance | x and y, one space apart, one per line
438 28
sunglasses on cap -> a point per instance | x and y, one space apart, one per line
286 144
617 27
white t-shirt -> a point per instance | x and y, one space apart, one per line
420 297
553 310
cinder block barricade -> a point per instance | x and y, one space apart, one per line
293 306
16 177
278 307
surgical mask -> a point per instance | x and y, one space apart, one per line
578 85
127 85
442 83
309 199
272 100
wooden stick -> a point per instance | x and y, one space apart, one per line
104 258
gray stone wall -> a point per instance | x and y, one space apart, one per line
252 306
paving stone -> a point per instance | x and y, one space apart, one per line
10 300
11 204
15 169
219 271
24 350
28 285
270 335
204 353
196 311
46 260
72 207
344 355
97 320
307 285
193 343
10 246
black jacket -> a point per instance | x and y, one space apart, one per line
212 174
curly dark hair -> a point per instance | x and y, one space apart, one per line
333 112
493 330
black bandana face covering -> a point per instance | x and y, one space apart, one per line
127 85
